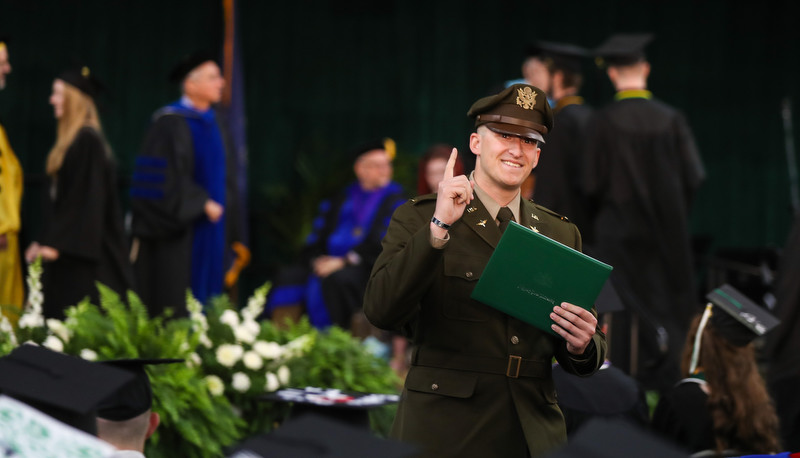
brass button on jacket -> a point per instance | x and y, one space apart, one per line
468 274
435 386
514 340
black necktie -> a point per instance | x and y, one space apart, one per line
504 216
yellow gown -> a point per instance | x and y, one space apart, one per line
11 292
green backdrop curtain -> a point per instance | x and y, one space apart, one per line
322 76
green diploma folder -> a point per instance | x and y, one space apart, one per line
529 274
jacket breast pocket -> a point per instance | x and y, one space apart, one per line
461 273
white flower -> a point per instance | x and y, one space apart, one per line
88 354
269 350
243 334
53 343
283 375
252 326
205 341
255 304
194 360
229 317
300 345
58 328
240 382
31 320
228 354
252 360
184 347
272 382
215 385
8 330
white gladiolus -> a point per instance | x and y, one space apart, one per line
228 354
58 329
88 354
284 375
8 330
255 304
272 382
269 350
252 360
240 382
299 346
53 343
229 317
215 385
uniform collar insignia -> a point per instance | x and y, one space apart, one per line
482 223
534 229
471 209
534 217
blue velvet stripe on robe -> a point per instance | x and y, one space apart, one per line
208 241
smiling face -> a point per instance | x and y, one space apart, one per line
504 161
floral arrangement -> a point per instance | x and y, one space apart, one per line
232 359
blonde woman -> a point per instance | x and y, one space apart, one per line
83 240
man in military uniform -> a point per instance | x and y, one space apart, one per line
480 382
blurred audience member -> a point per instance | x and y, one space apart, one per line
431 168
83 240
329 278
723 405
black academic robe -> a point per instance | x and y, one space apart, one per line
165 203
641 170
558 173
782 344
83 221
682 417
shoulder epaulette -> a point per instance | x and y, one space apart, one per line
551 212
423 198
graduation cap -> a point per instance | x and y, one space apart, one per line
134 398
743 320
623 49
189 62
82 78
386 144
606 438
343 406
65 387
561 56
314 435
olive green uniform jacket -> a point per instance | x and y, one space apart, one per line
480 383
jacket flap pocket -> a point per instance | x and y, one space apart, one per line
444 382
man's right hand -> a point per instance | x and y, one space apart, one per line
453 196
214 210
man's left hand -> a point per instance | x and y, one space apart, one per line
575 324
326 265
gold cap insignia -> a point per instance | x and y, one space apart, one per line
482 223
85 72
526 98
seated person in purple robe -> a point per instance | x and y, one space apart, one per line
329 279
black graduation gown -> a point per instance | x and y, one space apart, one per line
682 417
165 203
83 221
641 170
558 173
782 344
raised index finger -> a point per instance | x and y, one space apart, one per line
451 164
